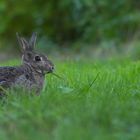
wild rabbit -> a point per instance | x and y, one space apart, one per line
31 73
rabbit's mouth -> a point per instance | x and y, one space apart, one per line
50 71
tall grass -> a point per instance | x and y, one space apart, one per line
68 109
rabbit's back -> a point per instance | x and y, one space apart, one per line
8 75
21 76
15 76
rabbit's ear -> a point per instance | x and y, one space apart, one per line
23 43
32 41
19 39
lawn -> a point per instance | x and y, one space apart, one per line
93 100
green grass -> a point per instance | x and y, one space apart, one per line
69 110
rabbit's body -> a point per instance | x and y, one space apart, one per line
30 79
21 76
30 74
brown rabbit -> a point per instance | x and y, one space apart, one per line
31 73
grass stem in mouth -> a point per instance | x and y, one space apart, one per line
57 76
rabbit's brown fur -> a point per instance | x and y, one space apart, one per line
31 73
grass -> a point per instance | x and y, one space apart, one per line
70 109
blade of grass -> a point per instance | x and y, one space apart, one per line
91 84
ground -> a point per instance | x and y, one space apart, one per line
93 100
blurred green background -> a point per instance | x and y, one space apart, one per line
73 24
94 45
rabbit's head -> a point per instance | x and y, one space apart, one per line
38 62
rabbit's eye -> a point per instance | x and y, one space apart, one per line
37 58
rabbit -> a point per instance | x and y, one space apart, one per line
31 73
